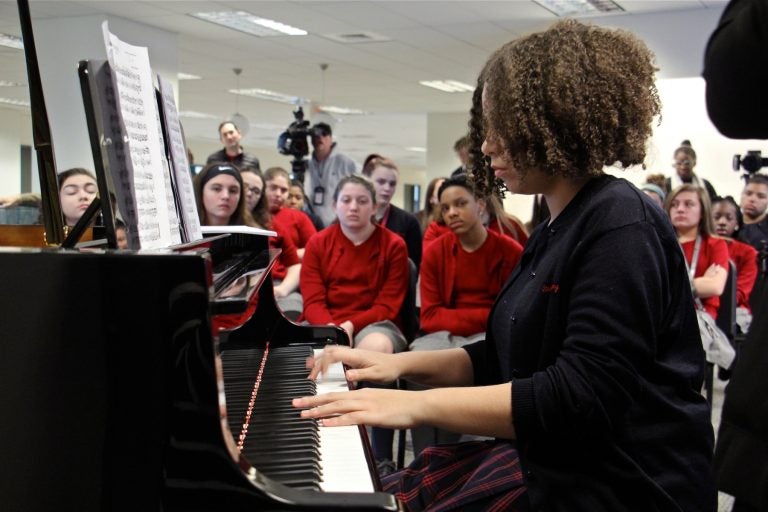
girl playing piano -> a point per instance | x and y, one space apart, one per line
590 373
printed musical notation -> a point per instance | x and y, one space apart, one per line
156 219
179 163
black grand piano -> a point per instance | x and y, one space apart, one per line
160 380
136 381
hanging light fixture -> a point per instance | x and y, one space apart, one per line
239 119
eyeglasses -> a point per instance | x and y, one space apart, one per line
253 190
681 163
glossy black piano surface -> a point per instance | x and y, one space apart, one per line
111 382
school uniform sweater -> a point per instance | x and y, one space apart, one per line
294 224
458 287
713 250
744 256
363 284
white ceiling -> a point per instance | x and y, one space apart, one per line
428 40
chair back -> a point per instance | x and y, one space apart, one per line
409 315
726 313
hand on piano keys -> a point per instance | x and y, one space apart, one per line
364 365
368 406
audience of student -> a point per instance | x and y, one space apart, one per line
297 201
690 211
384 173
431 210
355 275
684 162
727 218
291 223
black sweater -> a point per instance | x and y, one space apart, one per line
596 330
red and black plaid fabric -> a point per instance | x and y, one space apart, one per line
479 475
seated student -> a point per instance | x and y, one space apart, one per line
726 216
77 190
462 273
289 222
464 270
494 218
297 201
431 210
355 275
688 207
253 183
384 174
221 202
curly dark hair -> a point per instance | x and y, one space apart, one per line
566 101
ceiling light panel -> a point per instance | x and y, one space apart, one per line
6 83
448 85
579 7
265 94
341 110
11 41
249 23
187 76
191 114
17 103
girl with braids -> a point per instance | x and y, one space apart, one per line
589 377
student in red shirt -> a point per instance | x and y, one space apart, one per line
464 269
689 208
221 201
355 275
726 215
462 273
293 224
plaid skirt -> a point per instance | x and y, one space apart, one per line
478 475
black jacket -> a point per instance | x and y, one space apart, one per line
597 332
407 226
241 161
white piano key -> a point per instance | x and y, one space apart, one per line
345 468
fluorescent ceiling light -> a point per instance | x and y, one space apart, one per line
187 76
11 41
6 83
191 114
575 7
448 85
416 149
264 94
341 110
17 103
249 23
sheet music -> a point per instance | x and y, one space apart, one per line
115 138
179 163
136 100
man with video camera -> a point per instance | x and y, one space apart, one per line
736 71
326 168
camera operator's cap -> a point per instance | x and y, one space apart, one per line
321 129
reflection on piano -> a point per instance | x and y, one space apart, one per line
114 390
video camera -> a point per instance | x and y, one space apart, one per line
752 162
294 140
